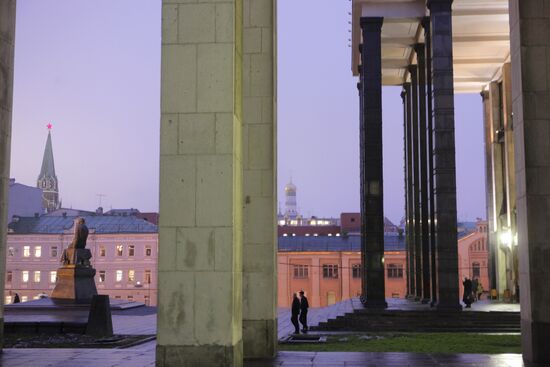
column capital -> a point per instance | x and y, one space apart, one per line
412 68
419 48
359 69
403 95
425 22
484 95
437 6
371 24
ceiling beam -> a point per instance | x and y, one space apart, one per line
400 63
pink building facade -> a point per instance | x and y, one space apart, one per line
125 262
473 257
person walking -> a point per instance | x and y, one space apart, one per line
479 290
467 298
304 305
295 313
475 282
16 299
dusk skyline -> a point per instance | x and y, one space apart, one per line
92 69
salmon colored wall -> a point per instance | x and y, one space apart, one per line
474 248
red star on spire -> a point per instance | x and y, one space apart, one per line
49 126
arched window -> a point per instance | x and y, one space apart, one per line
475 270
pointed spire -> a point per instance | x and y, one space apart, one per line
48 167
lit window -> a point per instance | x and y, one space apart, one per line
26 251
330 271
147 277
25 276
53 276
11 251
24 298
282 222
285 235
356 271
315 235
131 275
337 234
313 223
307 234
395 271
119 275
9 277
53 251
330 234
131 250
294 235
148 251
102 276
37 276
37 251
8 300
301 271
119 249
102 251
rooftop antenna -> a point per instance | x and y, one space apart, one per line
100 196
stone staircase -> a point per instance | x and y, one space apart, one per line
364 320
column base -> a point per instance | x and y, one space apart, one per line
199 355
534 339
375 304
259 338
417 298
425 301
448 306
410 297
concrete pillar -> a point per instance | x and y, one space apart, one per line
413 70
429 115
410 194
423 156
201 202
444 155
491 235
530 96
7 42
406 189
372 208
259 180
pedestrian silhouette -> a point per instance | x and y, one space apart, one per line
304 305
295 313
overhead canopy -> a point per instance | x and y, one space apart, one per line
481 39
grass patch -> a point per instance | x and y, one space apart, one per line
415 343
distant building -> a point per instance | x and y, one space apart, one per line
328 269
473 256
351 224
124 250
47 179
23 200
291 205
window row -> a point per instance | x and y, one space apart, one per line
25 276
37 251
9 299
131 276
331 271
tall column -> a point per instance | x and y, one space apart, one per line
259 180
406 185
491 236
7 42
429 127
201 170
424 226
444 155
530 95
413 70
372 215
410 193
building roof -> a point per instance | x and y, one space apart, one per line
335 243
48 167
97 223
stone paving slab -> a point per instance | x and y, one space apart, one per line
144 356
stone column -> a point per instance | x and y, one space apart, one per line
372 208
7 42
259 180
423 154
413 70
201 202
491 235
530 95
406 185
444 155
429 127
410 194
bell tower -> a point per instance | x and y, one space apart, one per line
47 180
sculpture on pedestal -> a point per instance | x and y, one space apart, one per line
75 279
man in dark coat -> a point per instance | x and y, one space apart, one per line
467 298
295 313
304 305
474 289
16 299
